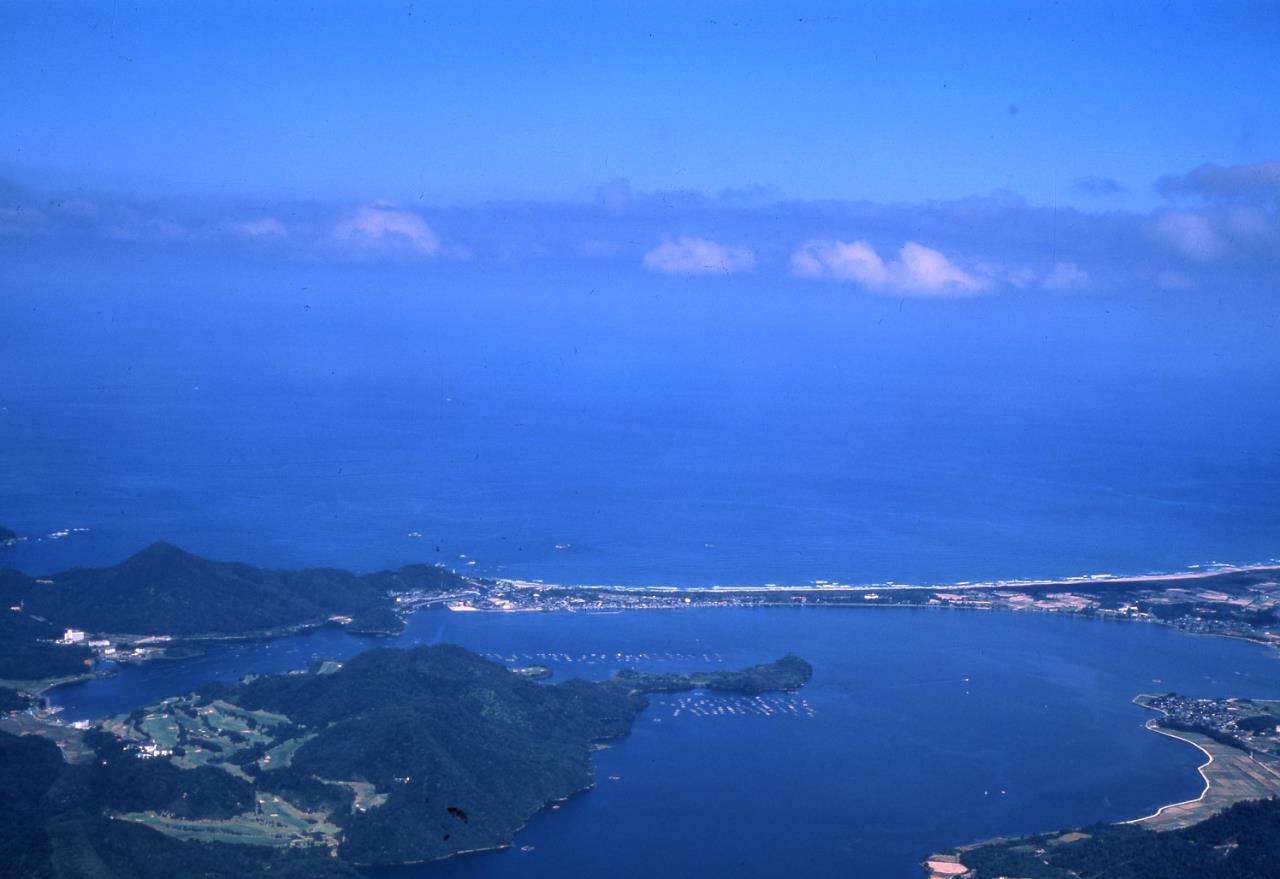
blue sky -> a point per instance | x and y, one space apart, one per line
459 102
908 150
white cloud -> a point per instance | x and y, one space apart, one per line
1190 234
926 270
383 224
1066 276
854 261
697 256
918 270
1021 278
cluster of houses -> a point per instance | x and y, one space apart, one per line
75 636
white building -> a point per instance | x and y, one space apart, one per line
73 636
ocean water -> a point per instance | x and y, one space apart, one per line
920 729
709 436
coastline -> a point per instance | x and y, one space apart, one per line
1155 727
826 590
1202 572
191 648
830 596
1212 598
1227 773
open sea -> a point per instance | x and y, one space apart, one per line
638 439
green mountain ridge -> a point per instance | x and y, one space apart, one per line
164 590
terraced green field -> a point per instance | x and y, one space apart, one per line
275 822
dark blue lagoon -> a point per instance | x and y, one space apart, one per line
920 729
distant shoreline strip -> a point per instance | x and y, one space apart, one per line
1079 580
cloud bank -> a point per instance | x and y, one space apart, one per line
1219 229
1192 235
1099 186
1257 182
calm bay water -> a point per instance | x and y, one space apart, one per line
928 728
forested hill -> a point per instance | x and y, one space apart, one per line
55 821
164 590
786 674
28 652
395 756
1241 842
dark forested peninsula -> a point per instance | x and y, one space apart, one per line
1242 842
165 591
396 756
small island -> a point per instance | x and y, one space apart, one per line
393 757
785 675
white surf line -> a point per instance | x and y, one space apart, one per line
1154 727
1200 573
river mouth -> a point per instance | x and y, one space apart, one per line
921 729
